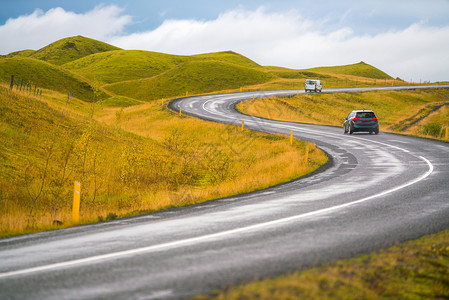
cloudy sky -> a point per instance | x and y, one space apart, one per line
405 38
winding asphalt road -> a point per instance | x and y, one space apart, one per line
375 191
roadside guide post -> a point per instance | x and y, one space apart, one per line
306 156
76 202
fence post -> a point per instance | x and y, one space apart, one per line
11 85
76 202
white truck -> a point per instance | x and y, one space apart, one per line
313 85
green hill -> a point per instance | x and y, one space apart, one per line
70 49
360 69
24 53
121 65
46 76
78 63
194 77
228 57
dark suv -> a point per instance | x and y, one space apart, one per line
361 120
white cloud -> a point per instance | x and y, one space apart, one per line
287 39
42 28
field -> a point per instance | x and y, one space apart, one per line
411 270
129 160
422 113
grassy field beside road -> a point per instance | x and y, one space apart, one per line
422 113
129 160
411 270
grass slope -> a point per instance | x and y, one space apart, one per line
193 77
46 76
122 65
394 109
360 69
130 160
228 57
24 53
411 270
125 65
145 75
70 49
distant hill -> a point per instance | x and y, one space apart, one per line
23 53
360 69
121 65
70 49
79 64
192 77
47 76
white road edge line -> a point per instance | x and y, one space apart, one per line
204 238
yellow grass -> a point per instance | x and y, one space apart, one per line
133 160
395 109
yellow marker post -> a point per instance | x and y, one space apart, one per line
187 93
291 137
446 135
306 156
297 93
76 202
180 111
243 125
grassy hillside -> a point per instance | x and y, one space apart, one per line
122 65
194 77
46 76
360 69
24 53
70 49
129 161
413 270
417 112
146 76
228 57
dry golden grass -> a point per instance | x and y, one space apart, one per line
129 160
394 109
411 270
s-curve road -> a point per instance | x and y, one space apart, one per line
375 191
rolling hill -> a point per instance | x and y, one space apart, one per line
44 75
360 69
70 49
194 77
82 65
122 65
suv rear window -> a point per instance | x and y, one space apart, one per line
368 114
